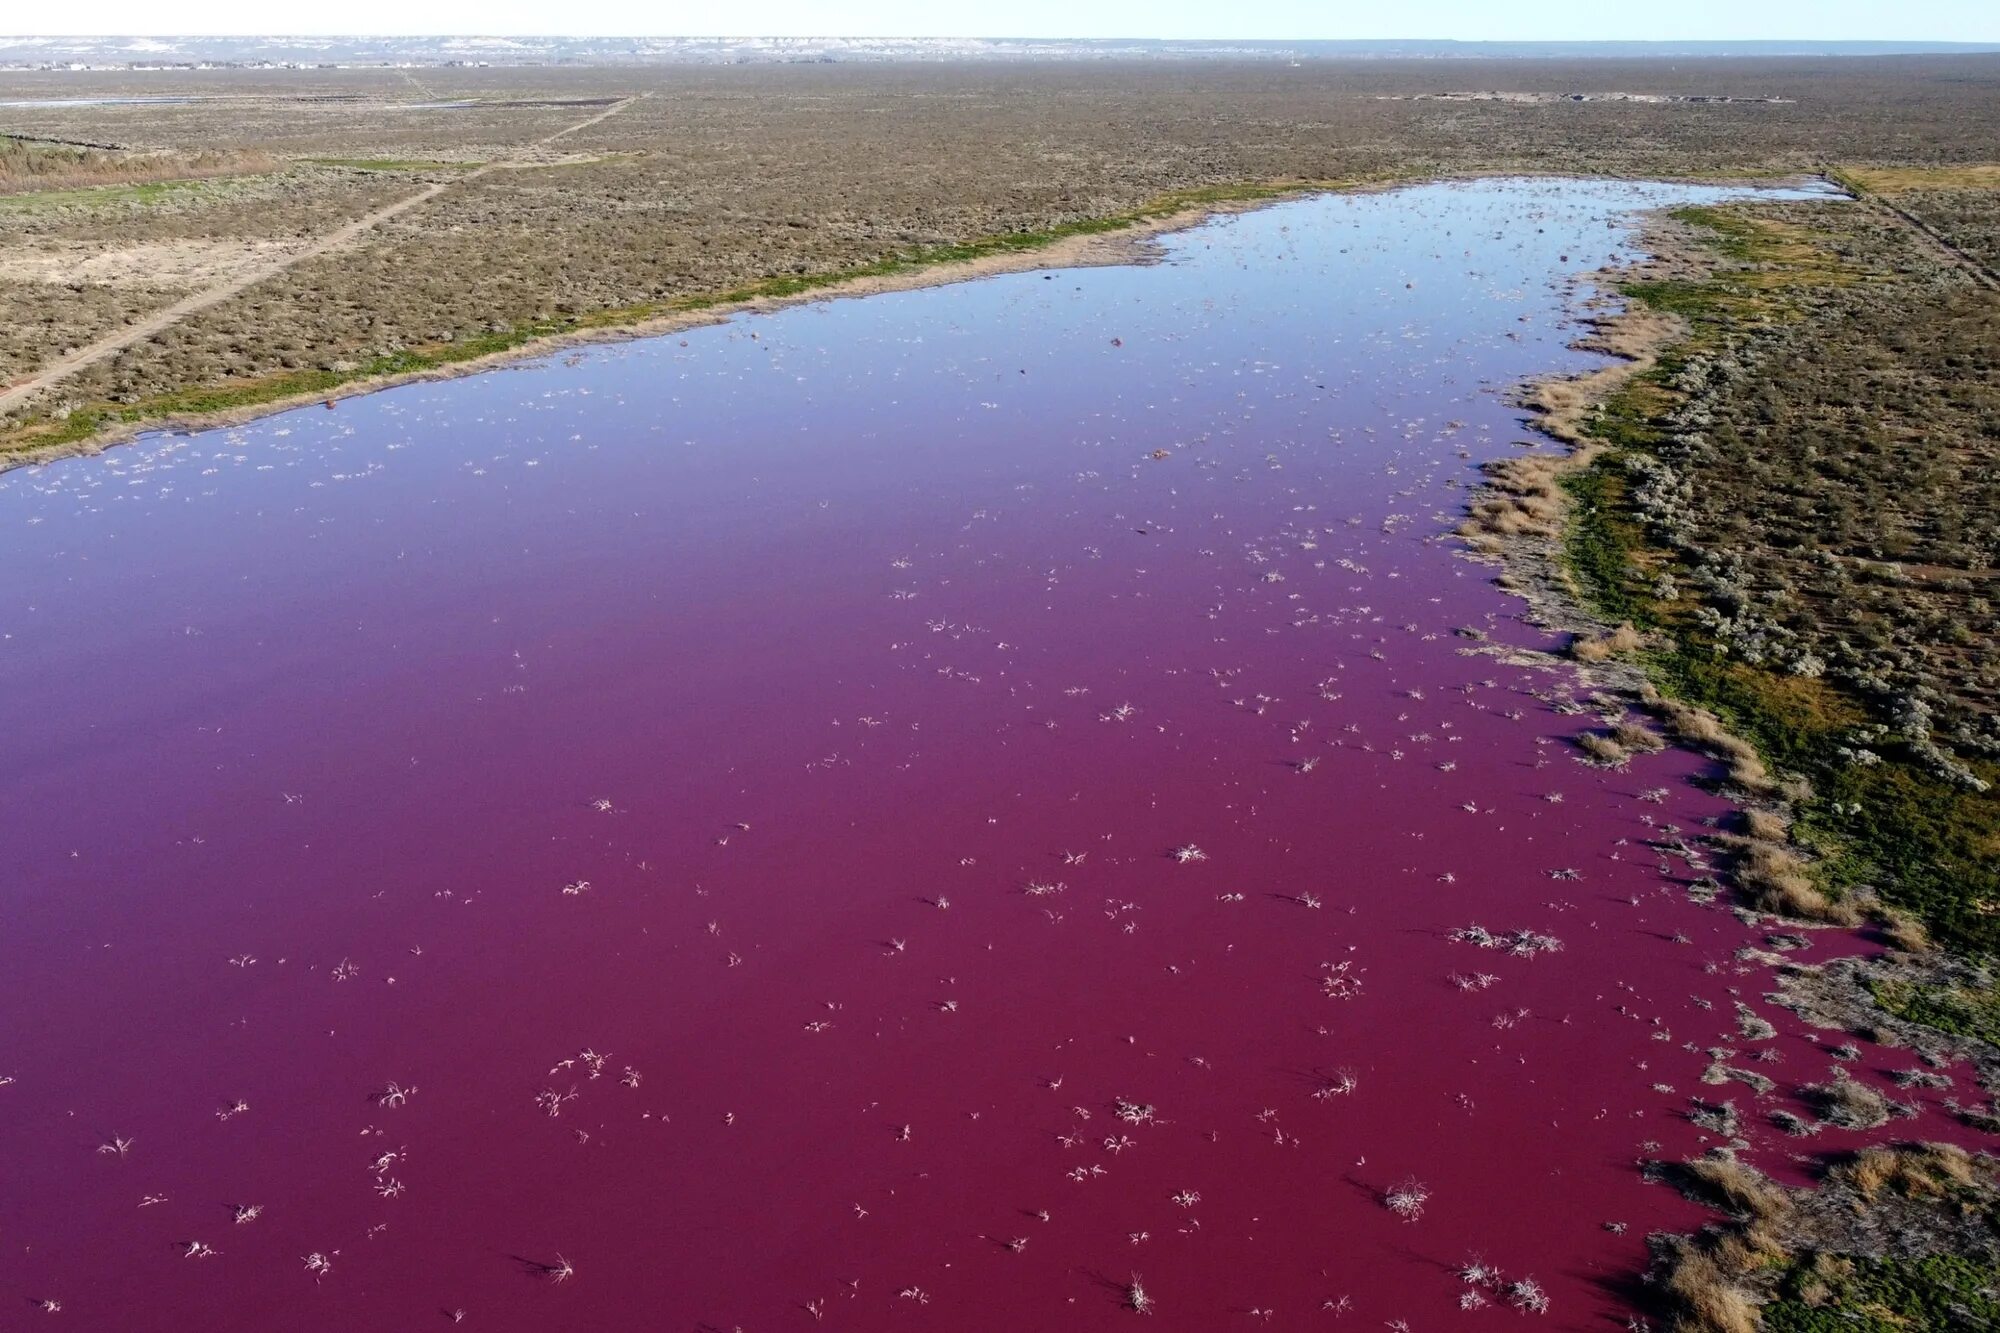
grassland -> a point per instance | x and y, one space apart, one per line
32 165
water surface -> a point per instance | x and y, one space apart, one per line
46 103
705 811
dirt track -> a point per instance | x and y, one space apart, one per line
1951 253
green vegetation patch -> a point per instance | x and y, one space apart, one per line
41 173
84 422
1935 1294
1926 844
104 196
1964 1011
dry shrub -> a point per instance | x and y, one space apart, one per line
1604 750
1921 1171
1905 932
1736 1187
1775 881
1871 1170
1528 474
1699 727
1523 497
1746 766
1513 516
1848 1104
1635 333
1765 825
1623 639
1638 737
1563 406
1707 1296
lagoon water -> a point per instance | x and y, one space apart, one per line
904 812
51 103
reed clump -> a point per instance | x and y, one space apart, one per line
1523 497
1615 642
1929 1170
1604 749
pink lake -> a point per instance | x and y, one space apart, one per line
700 814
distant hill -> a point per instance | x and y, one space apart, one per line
124 52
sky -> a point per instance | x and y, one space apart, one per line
1470 20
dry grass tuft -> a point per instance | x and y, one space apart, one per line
1622 639
1700 728
1737 1188
1775 880
1906 932
1766 825
1604 749
1929 1170
1638 737
1871 1170
1706 1295
1523 497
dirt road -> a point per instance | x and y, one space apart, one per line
1943 245
111 344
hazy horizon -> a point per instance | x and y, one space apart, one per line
363 49
1925 21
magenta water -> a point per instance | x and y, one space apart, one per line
908 813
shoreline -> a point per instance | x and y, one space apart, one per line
1521 520
1719 1277
1134 243
1100 244
1517 518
